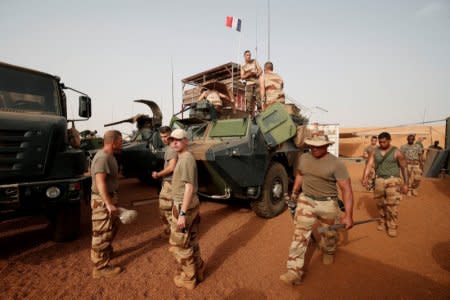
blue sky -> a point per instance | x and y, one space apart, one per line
368 63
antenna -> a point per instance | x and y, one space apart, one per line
256 30
173 100
268 30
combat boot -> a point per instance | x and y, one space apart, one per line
381 226
392 232
291 277
415 193
181 282
327 259
108 271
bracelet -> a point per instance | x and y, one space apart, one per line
182 213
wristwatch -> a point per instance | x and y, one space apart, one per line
182 213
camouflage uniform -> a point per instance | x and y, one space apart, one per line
307 212
104 229
165 195
317 202
104 225
185 246
387 190
252 95
412 155
273 84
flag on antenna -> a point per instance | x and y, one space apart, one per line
234 23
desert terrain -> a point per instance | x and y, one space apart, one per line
245 254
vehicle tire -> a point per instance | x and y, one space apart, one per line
64 221
271 202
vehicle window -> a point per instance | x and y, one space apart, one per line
25 91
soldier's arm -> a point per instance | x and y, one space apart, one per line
402 163
262 88
421 160
100 182
187 199
168 169
347 195
368 167
297 183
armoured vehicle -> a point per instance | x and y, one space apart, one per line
39 171
143 154
239 156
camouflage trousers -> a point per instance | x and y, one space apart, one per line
307 213
371 183
252 97
388 196
104 229
165 205
185 243
414 177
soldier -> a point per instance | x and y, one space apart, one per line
165 196
185 219
389 162
105 221
369 149
414 159
271 86
251 72
435 146
317 174
214 97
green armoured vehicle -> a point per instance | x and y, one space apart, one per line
239 156
40 172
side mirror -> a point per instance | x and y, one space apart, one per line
84 103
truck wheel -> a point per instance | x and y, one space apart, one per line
65 221
275 185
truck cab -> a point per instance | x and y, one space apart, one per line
40 173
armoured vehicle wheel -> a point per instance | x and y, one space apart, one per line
275 185
64 222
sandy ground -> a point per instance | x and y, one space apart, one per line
245 255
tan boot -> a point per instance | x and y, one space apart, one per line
291 278
184 283
415 192
108 271
327 259
381 227
392 232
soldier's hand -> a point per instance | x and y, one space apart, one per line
155 175
365 182
113 210
347 220
181 222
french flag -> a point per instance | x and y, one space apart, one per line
234 23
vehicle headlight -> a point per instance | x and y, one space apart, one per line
53 192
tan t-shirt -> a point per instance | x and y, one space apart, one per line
320 174
273 84
105 163
169 154
369 149
185 172
252 66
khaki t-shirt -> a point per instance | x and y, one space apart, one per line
169 154
320 174
105 163
185 172
369 149
252 66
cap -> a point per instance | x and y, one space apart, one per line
178 134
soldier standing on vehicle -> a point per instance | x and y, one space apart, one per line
413 154
251 72
317 174
367 151
185 219
271 86
165 196
389 162
105 221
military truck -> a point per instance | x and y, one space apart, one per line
39 171
143 152
239 156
